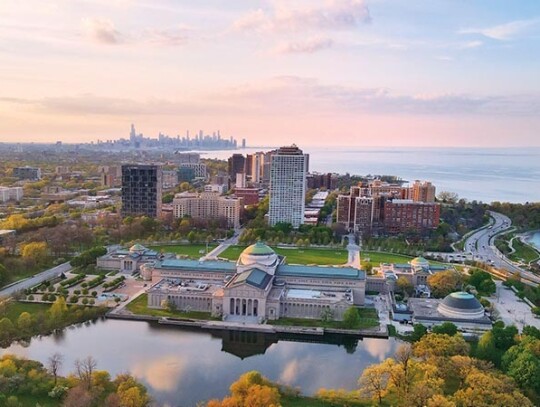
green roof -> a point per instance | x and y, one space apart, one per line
462 295
195 265
320 271
258 249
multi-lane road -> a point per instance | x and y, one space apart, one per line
481 244
35 280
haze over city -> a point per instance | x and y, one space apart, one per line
356 72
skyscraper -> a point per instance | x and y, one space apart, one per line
237 163
141 190
288 186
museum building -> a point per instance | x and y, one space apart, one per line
259 286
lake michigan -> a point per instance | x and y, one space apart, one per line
483 174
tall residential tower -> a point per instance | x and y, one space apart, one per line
288 186
141 190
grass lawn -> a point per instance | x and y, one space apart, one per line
368 319
321 256
192 250
523 252
14 309
139 306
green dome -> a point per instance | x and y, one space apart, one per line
258 249
419 262
136 248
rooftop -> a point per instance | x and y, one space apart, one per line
320 271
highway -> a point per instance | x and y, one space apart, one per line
37 279
481 244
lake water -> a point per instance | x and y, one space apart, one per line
181 367
484 174
535 240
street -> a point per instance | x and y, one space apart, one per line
37 279
481 244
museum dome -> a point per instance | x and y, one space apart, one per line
137 248
461 305
419 263
258 253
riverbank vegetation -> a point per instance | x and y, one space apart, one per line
21 321
139 306
439 370
27 383
353 318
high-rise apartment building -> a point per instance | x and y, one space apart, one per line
237 163
422 191
379 207
30 173
288 186
141 190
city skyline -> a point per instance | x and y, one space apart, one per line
356 72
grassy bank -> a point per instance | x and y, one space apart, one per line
139 306
368 319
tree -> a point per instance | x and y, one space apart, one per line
482 281
351 318
78 396
84 369
58 310
133 397
448 197
440 345
25 323
327 315
444 283
7 330
530 330
419 331
54 364
447 328
404 285
374 382
522 363
504 337
37 252
3 275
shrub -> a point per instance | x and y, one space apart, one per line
77 292
94 293
85 291
85 301
45 297
30 298
52 297
84 285
73 299
51 288
92 301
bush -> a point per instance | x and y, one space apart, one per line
73 299
85 301
536 310
85 291
30 298
94 293
84 285
77 292
52 297
92 301
51 288
45 297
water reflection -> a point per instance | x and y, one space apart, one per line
181 367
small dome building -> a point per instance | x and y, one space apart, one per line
419 264
461 305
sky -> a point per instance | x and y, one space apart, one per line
332 72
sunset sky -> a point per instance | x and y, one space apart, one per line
340 72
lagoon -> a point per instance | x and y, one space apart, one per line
181 367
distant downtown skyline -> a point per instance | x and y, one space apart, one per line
339 72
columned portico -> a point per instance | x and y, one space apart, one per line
244 307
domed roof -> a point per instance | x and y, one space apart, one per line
137 248
258 254
461 305
258 249
420 261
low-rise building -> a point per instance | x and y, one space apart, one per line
259 286
11 194
208 205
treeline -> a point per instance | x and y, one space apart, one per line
304 236
23 325
21 223
88 257
21 379
439 370
524 216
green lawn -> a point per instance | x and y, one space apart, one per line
369 319
14 309
139 306
193 250
523 252
321 256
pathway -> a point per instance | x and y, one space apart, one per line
37 279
